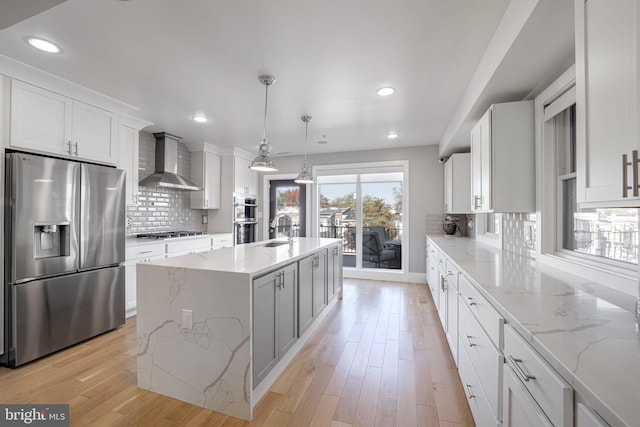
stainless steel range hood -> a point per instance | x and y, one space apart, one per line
166 174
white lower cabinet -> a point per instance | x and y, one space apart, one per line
433 275
219 241
546 391
274 318
585 417
478 402
133 255
188 246
485 358
520 409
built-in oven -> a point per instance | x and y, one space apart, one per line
245 219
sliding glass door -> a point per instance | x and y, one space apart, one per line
364 209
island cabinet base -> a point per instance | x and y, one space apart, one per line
196 329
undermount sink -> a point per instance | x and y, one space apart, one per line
274 244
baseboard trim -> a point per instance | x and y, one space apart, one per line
391 276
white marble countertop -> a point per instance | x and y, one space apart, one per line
586 331
135 241
252 258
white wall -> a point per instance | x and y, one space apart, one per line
426 186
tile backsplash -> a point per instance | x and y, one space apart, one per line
161 209
519 233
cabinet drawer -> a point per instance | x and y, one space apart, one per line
452 273
145 251
222 241
485 358
489 318
178 246
478 402
550 391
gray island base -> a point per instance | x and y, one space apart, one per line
216 329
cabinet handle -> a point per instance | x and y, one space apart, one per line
442 282
69 147
521 373
75 148
282 278
449 273
469 394
469 341
471 301
145 252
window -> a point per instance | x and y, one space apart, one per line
600 234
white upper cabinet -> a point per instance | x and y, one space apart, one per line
607 51
457 183
47 122
40 119
205 172
245 179
502 159
128 154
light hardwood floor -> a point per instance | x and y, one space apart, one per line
379 358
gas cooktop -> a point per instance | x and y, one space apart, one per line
168 234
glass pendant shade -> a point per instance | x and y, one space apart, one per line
263 162
305 176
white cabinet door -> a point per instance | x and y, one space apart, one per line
93 133
502 159
457 183
245 179
128 152
47 122
205 172
607 43
520 409
40 119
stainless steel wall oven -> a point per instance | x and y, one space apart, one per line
245 219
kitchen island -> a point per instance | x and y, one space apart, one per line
215 329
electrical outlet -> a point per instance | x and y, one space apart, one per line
187 319
205 219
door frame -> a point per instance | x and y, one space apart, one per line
363 273
266 211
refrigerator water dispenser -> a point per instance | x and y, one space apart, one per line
51 240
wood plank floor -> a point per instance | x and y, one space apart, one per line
379 358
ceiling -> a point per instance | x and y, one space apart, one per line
175 59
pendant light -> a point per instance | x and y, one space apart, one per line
263 162
305 177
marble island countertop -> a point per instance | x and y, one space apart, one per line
586 331
251 258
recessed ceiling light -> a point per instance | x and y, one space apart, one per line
44 45
200 118
385 91
392 135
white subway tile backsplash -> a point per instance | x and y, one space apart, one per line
160 209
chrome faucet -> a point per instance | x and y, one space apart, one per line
274 224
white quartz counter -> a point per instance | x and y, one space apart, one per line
135 241
252 258
586 331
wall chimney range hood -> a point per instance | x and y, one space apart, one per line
166 174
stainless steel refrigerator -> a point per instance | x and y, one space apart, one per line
64 250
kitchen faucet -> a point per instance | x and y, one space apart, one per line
274 224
